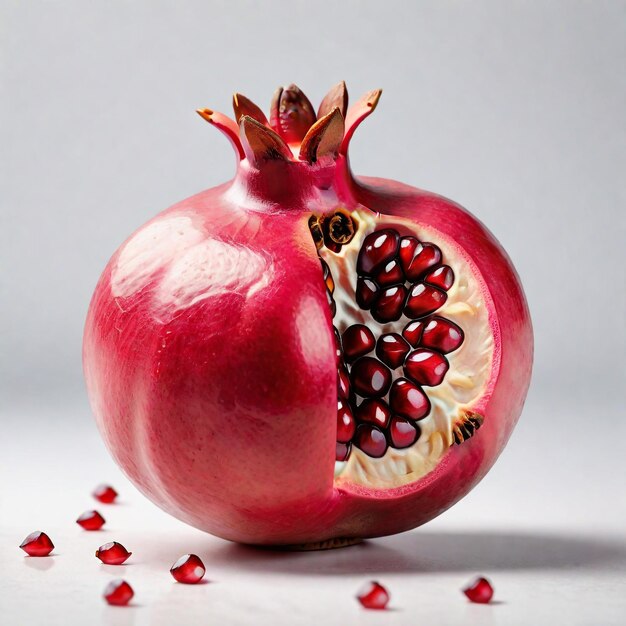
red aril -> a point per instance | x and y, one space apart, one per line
37 544
479 591
105 494
301 355
91 520
118 593
373 596
112 553
189 569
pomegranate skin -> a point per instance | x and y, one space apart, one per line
210 363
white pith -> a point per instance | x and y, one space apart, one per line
470 365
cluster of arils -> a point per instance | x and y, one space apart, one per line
381 379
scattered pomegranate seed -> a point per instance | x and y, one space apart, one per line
112 553
342 451
373 596
345 423
118 592
403 433
189 569
370 378
37 544
371 440
479 591
442 335
416 258
378 248
424 300
366 292
388 307
426 367
357 340
91 520
391 349
408 400
374 412
105 494
442 277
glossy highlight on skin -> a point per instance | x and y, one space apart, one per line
211 358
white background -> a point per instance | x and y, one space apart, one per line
514 109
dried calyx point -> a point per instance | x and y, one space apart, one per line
467 425
294 131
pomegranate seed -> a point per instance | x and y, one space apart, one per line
426 367
413 332
105 494
403 433
112 553
388 307
416 258
357 341
338 350
370 378
343 383
424 300
342 451
374 412
408 400
37 544
373 596
345 423
378 248
91 520
479 591
118 592
442 335
371 440
366 292
391 349
189 569
442 277
389 274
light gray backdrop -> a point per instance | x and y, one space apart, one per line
514 109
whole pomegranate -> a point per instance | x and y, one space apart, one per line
302 357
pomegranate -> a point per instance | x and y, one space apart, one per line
303 357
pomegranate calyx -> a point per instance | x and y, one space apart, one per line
323 138
261 143
337 96
357 113
245 106
291 113
225 125
466 426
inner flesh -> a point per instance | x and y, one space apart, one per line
414 345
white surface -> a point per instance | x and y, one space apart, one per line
546 526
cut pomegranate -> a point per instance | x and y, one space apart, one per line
373 596
118 592
371 440
105 494
426 367
370 378
358 340
408 400
479 591
189 569
91 520
112 553
392 349
37 544
258 322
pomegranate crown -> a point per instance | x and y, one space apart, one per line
294 132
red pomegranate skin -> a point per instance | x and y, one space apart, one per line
215 386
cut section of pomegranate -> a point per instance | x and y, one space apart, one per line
479 591
118 593
91 520
37 544
189 569
105 494
112 553
373 596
